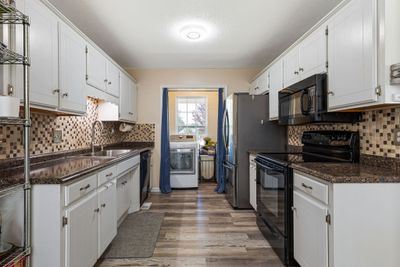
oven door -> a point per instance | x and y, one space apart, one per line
271 194
182 160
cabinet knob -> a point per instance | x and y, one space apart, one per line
56 91
105 80
97 210
109 83
331 93
103 205
301 69
130 113
64 95
296 73
294 209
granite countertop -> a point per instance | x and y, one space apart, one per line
368 171
58 168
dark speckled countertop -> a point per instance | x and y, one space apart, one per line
60 168
371 169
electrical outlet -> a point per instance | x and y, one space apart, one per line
57 136
397 136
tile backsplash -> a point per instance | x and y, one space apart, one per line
76 132
376 132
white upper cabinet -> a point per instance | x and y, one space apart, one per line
352 55
260 85
112 81
72 70
275 85
291 67
44 55
306 59
134 102
96 69
313 53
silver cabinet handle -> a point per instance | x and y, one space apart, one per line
130 113
103 205
109 83
56 91
105 80
306 186
294 209
331 93
97 210
85 187
124 182
296 73
301 69
110 174
64 95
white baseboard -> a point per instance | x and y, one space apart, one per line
155 190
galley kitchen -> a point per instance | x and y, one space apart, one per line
199 133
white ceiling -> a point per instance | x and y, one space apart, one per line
242 33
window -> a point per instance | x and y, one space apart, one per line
191 115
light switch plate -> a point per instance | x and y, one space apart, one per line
397 136
57 136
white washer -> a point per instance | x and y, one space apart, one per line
184 161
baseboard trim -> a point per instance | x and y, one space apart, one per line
155 190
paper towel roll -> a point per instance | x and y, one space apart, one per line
9 106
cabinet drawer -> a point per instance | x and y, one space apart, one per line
311 187
128 164
107 174
79 189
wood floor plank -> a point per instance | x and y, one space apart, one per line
200 228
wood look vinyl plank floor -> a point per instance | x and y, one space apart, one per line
200 228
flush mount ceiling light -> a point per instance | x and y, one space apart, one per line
193 33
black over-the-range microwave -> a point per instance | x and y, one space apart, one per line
307 102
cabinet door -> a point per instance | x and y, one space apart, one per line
291 67
123 194
275 85
81 233
112 79
134 102
107 196
72 70
44 54
95 68
313 54
352 55
262 84
253 183
124 99
310 231
253 86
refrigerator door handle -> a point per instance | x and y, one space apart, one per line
225 129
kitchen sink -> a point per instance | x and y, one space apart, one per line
108 153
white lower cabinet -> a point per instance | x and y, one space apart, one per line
310 231
253 182
107 196
340 224
81 232
74 223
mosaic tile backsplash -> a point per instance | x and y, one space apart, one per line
76 132
376 132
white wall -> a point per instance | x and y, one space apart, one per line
150 82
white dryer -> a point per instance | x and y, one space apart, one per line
184 161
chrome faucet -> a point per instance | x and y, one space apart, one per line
94 131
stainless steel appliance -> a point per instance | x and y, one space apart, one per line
246 126
307 102
145 166
275 183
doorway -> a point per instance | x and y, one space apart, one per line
194 112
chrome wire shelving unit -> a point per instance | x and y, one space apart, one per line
9 15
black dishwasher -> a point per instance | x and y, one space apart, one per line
145 164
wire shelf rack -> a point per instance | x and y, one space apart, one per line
18 255
8 56
10 15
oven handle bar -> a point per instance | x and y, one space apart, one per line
266 167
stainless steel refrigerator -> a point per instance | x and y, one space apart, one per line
247 127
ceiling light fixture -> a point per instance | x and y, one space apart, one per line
193 32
